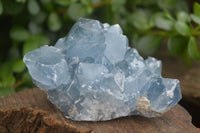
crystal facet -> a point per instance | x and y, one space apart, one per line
92 75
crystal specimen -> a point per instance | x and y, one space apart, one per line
92 75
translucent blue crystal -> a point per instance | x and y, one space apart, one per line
92 75
48 67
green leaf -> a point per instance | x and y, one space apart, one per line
177 45
19 34
40 18
117 5
6 76
95 1
34 42
89 9
64 3
193 48
183 28
7 81
29 46
186 58
136 38
183 16
169 16
54 22
5 70
196 9
18 66
140 20
48 5
12 7
86 2
118 2
182 5
34 28
149 44
162 22
6 91
33 7
195 18
26 78
1 8
167 4
75 11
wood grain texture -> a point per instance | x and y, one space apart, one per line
30 112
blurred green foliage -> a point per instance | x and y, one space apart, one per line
28 24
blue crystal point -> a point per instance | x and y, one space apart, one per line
92 75
48 67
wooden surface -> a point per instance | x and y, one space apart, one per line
30 111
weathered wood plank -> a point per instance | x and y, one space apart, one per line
30 111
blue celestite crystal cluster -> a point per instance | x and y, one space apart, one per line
92 75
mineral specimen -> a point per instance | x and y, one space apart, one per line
92 75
